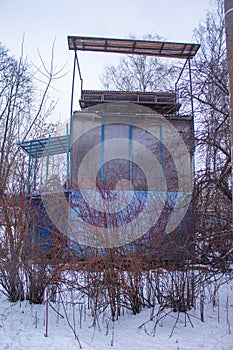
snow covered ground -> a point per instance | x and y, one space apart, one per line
22 326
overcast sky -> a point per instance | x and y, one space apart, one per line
42 21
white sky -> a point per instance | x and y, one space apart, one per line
41 21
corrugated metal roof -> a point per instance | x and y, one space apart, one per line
50 145
136 47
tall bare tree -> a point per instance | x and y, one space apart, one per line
23 114
213 138
140 73
228 4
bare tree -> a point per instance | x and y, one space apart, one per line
228 5
140 73
213 138
22 115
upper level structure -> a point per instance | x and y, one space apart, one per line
164 103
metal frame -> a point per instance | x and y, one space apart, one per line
45 147
163 49
39 147
184 51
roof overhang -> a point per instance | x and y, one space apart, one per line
46 146
134 47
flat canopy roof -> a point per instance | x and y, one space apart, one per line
41 147
136 47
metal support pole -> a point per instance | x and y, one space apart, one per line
35 172
72 89
67 158
176 83
71 110
79 71
191 88
47 161
29 170
192 125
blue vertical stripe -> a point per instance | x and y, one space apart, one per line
161 150
102 154
130 151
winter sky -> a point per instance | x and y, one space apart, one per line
39 22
